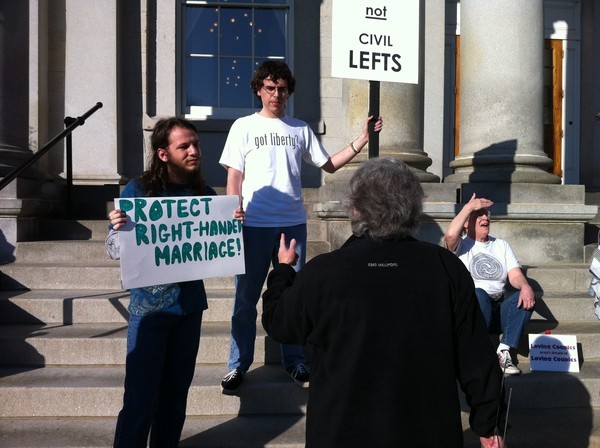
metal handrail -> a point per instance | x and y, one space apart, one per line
72 124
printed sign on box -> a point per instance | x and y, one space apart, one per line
553 352
177 239
376 41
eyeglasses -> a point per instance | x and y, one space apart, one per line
283 91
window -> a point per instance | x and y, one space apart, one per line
223 43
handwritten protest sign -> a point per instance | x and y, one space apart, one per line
175 239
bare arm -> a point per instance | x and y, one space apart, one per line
456 226
344 156
526 295
111 243
234 187
234 181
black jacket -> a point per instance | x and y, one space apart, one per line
393 325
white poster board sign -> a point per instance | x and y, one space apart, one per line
377 41
176 239
553 352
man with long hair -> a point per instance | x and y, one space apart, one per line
164 322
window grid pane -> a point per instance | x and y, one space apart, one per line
225 42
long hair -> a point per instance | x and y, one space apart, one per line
155 179
385 200
275 70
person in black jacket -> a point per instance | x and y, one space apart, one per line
393 324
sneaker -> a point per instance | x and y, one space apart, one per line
506 363
232 382
300 373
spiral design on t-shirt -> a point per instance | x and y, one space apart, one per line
486 267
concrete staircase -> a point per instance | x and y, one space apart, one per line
63 323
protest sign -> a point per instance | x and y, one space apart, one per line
377 41
553 352
176 239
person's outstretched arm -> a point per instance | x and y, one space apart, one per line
344 156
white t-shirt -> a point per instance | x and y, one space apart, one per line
488 263
269 152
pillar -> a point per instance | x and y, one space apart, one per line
501 88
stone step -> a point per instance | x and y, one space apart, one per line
61 306
104 344
564 306
548 428
31 344
546 390
560 277
91 251
61 251
587 332
56 266
94 391
104 273
97 391
229 431
101 275
96 230
69 229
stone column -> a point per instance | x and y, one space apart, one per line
14 84
91 77
501 102
401 106
14 117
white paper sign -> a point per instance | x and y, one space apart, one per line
553 352
176 239
377 41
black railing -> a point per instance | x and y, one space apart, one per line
72 124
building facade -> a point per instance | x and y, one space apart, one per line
507 103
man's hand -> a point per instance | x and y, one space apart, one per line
117 219
492 442
287 255
239 214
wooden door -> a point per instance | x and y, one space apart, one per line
553 96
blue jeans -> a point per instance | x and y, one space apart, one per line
161 357
261 245
504 316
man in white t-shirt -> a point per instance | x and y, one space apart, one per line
491 262
263 156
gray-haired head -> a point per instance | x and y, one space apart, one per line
385 200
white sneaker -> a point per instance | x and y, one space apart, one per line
506 363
